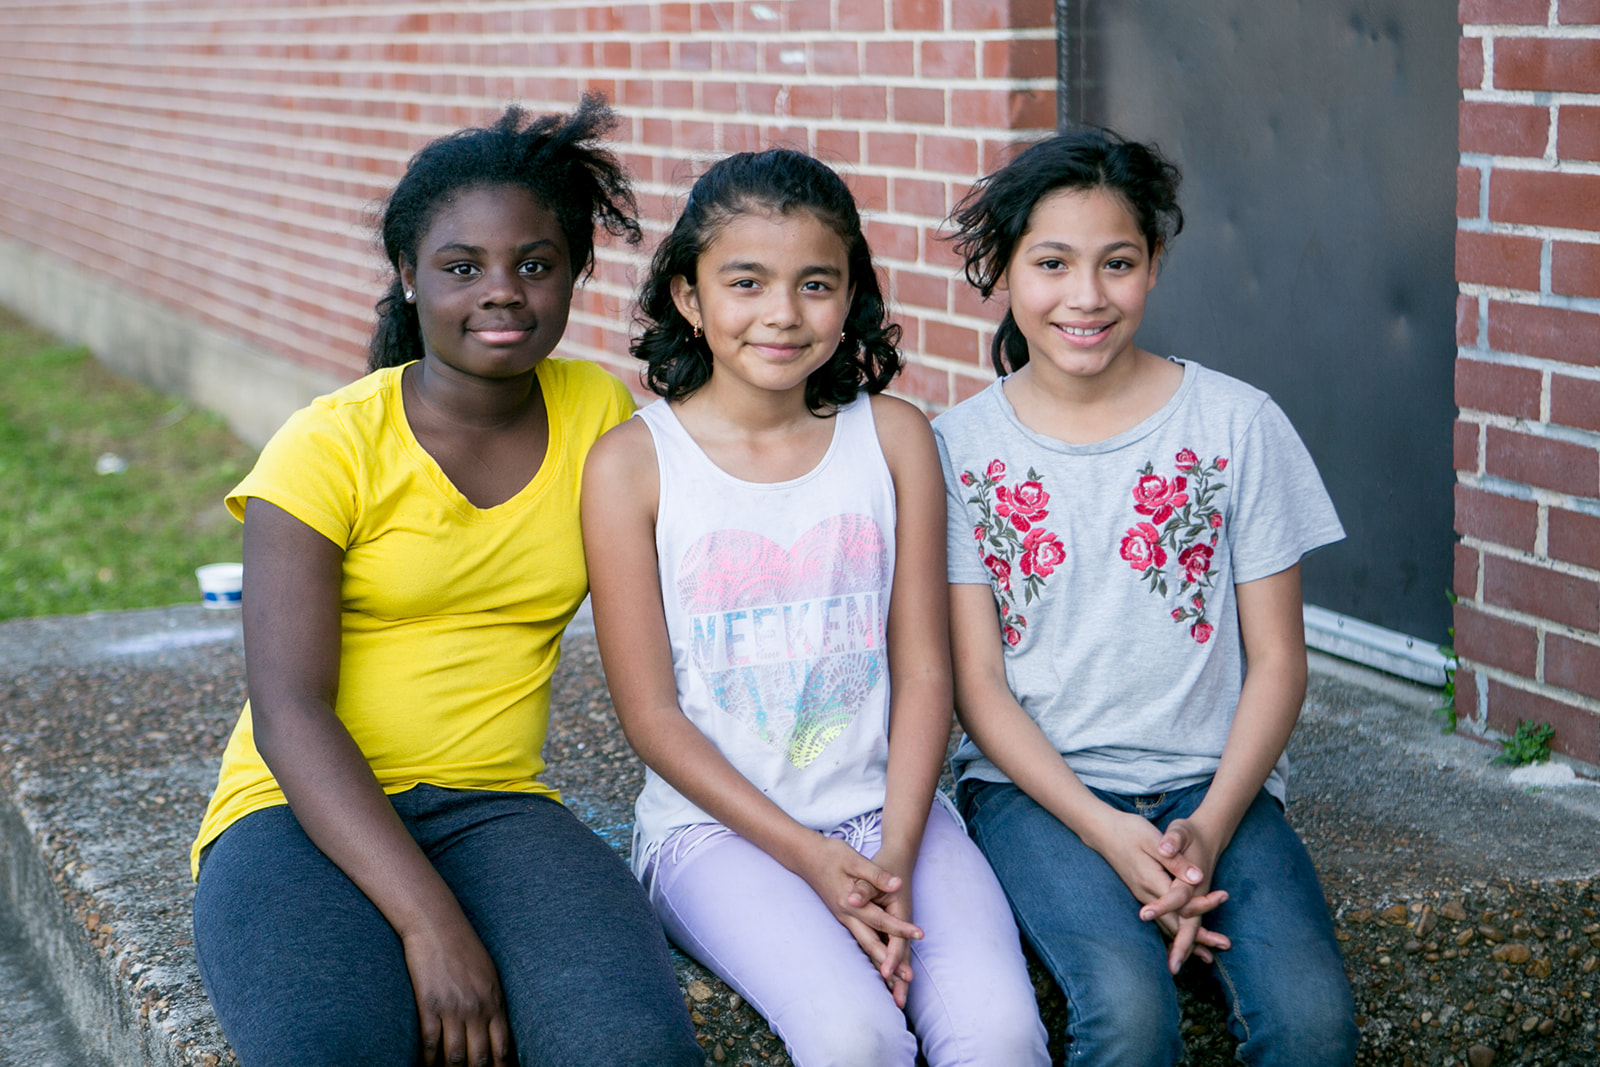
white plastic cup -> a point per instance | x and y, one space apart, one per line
220 584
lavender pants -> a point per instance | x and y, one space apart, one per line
765 932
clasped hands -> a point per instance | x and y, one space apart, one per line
871 900
1170 875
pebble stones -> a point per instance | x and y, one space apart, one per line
1497 974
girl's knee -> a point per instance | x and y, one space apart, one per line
842 1047
1127 1021
1323 1039
300 1039
1306 1023
990 1020
1123 1043
841 1034
1010 1035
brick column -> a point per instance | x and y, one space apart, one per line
1527 441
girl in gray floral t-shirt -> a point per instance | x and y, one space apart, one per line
1125 534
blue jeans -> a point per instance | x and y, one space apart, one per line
1288 998
302 968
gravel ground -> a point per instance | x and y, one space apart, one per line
1463 902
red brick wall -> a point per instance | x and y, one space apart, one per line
1527 443
220 159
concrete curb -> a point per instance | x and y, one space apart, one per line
110 728
83 980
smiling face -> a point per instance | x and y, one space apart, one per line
772 293
1078 281
493 283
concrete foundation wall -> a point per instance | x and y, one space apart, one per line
152 343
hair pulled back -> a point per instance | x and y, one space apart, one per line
991 219
778 181
556 158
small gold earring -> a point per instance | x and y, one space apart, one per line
697 329
842 336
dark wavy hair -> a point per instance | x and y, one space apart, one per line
554 157
780 181
991 219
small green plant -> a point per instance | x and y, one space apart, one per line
1530 743
1452 661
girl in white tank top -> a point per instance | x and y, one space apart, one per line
766 551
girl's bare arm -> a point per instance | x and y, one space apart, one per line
1272 627
292 639
919 656
620 492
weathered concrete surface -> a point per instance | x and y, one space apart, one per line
1462 898
35 1030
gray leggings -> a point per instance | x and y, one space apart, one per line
303 970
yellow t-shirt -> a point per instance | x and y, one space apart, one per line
451 615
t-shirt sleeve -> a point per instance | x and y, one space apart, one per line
1281 509
963 561
592 398
309 469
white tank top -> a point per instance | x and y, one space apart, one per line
777 604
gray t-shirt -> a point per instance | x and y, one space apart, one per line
1113 566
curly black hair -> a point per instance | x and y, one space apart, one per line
781 181
554 157
994 215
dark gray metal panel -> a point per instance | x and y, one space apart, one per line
1317 142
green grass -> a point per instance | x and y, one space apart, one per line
73 540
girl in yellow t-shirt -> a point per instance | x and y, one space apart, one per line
382 876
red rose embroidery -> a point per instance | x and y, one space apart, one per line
1001 570
1010 535
1023 506
1185 519
1141 547
1156 497
1041 553
1195 561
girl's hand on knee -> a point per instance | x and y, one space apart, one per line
1159 877
895 966
1187 852
1186 846
1189 856
1131 845
1188 936
854 890
460 1010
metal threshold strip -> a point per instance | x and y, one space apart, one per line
1373 646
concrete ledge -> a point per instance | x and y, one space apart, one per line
153 344
1463 901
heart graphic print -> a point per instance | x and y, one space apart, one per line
789 641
